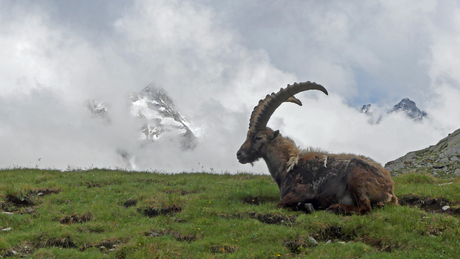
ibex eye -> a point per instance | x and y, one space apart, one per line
258 138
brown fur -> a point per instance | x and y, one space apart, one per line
312 177
367 182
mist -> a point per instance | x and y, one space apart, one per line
216 61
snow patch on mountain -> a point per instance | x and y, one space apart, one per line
405 106
161 121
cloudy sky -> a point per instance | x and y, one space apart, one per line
216 59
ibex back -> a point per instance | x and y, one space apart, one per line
310 179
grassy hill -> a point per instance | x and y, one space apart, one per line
118 214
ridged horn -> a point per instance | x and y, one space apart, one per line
266 107
259 106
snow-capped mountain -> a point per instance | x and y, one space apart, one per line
162 119
405 106
409 108
374 116
162 122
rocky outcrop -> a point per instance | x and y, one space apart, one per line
440 159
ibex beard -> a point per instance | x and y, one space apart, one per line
311 179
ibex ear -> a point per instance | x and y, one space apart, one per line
274 135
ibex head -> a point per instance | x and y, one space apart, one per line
259 136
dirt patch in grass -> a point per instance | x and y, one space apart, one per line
46 191
22 251
264 218
338 234
273 218
74 218
382 245
92 185
92 229
20 201
25 199
254 200
333 233
295 245
176 235
437 205
153 212
47 241
104 245
130 203
219 249
433 231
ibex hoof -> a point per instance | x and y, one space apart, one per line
337 209
309 208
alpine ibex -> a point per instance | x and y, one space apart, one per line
310 179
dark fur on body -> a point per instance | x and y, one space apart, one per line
342 183
311 179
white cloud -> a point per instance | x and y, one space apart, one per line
216 63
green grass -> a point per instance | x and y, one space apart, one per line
81 214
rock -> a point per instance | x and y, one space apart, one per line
6 229
154 234
453 159
445 208
444 160
341 242
312 241
40 194
328 242
457 172
409 156
7 213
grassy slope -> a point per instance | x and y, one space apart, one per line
210 216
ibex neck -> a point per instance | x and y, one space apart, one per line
275 166
281 156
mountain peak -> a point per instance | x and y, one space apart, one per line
405 106
155 106
366 108
409 107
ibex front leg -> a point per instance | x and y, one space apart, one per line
296 201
